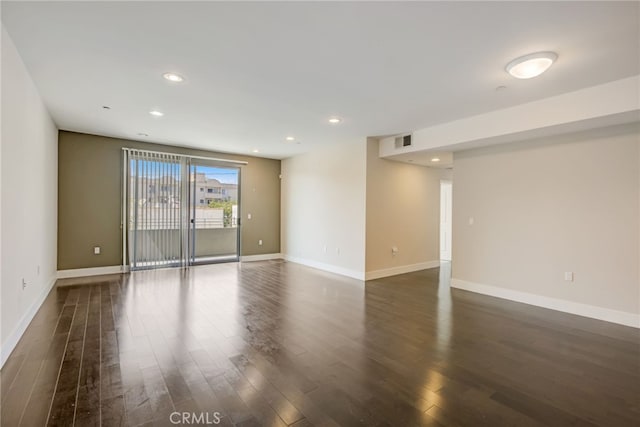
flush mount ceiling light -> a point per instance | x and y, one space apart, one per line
290 138
255 150
156 113
173 77
531 65
335 120
435 160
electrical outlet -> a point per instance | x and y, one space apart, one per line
568 276
324 249
338 251
394 250
248 216
96 250
260 242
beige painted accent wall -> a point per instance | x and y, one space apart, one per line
89 194
403 210
548 206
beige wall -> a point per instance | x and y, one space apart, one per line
90 182
29 198
323 206
544 207
403 210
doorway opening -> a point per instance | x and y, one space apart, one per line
446 204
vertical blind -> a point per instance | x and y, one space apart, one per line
156 209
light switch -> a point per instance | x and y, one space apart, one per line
248 216
96 250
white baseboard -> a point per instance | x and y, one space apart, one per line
386 272
359 275
95 271
594 312
10 344
262 257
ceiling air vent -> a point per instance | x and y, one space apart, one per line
403 141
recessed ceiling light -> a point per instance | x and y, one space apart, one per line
173 77
531 65
255 150
156 113
290 138
435 160
335 120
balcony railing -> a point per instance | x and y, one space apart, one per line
175 224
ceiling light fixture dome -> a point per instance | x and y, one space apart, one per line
156 113
173 77
335 120
532 65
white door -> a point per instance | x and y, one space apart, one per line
445 220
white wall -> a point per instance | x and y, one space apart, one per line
403 210
29 198
323 205
544 207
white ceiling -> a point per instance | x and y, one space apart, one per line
258 72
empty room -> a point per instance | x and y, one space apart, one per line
322 213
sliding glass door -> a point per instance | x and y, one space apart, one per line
178 211
215 232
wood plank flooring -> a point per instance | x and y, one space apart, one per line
276 344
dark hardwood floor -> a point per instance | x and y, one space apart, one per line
274 344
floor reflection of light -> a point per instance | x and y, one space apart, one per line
433 380
443 312
224 288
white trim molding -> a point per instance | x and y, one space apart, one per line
12 340
94 271
261 257
359 275
393 271
594 312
